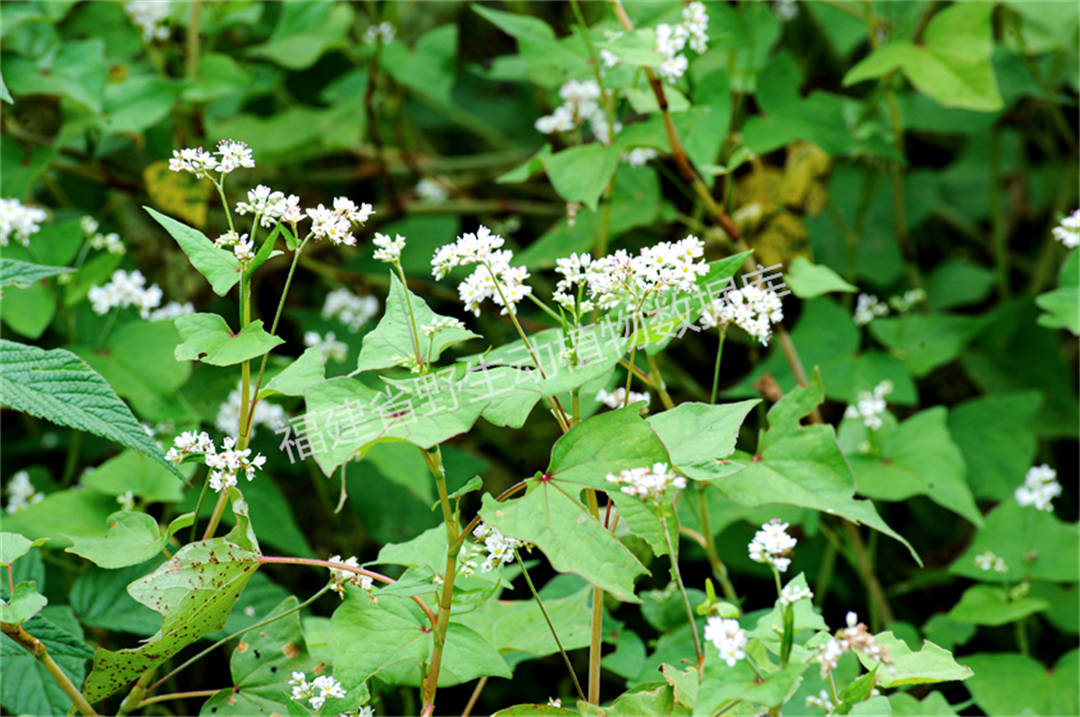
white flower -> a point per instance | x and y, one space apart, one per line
109 242
648 483
264 203
125 289
673 67
1039 489
441 323
188 443
383 32
229 239
345 207
228 418
823 700
581 103
352 310
244 250
793 593
771 544
856 636
639 156
1068 232
670 39
317 691
389 250
170 311
554 702
195 160
617 398
150 16
868 308
228 463
989 561
752 308
608 58
622 278
126 500
728 637
340 577
19 221
21 493
494 279
870 408
430 190
906 301
328 345
290 211
696 21
233 154
500 548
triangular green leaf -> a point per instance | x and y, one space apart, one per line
207 338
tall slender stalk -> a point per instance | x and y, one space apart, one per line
433 458
677 574
551 627
597 631
709 543
716 367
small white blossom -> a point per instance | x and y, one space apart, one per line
500 548
617 398
494 279
352 310
265 203
648 483
189 443
150 16
608 58
383 32
696 21
389 250
771 544
227 464
868 308
989 561
554 702
317 691
244 251
441 323
870 408
856 636
126 500
109 242
729 639
1039 489
906 302
21 493
793 593
232 155
639 156
752 308
18 221
823 700
430 190
328 345
194 160
125 289
170 311
623 278
581 103
1068 232
341 577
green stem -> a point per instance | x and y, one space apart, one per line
198 507
187 663
719 569
245 367
433 458
193 40
37 648
215 517
412 317
883 611
658 379
1022 637
597 630
716 367
178 696
72 461
551 627
677 574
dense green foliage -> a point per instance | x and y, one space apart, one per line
908 170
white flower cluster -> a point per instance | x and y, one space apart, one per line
109 242
228 417
430 190
639 156
989 561
341 577
352 310
867 308
242 247
441 323
500 548
793 593
617 398
870 406
125 289
1039 489
195 160
336 224
648 483
1068 232
270 206
623 278
383 32
752 308
389 250
150 16
729 638
21 493
906 302
317 691
494 279
671 40
225 465
329 347
771 544
18 221
856 636
581 103
823 700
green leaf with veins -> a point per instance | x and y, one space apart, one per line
194 592
602 444
393 336
392 637
518 630
919 458
295 378
22 274
100 599
13 546
24 603
207 338
994 432
1006 683
220 267
132 538
807 280
698 435
925 341
133 471
60 387
927 665
990 605
572 540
